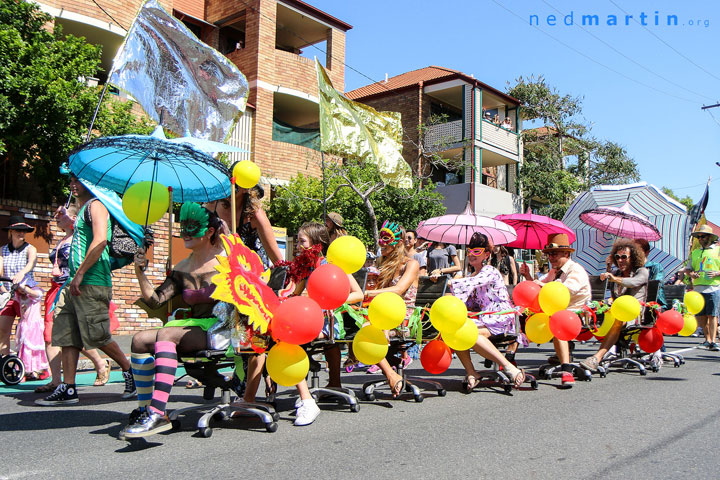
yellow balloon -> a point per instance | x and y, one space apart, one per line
694 302
246 174
605 326
348 253
689 327
537 328
370 345
625 308
136 199
386 311
287 364
554 296
448 313
463 338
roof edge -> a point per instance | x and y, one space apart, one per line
309 9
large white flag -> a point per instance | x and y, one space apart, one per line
181 82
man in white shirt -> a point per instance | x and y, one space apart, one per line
575 278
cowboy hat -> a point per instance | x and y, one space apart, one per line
704 230
558 241
17 223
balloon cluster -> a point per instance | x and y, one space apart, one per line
299 320
449 316
551 317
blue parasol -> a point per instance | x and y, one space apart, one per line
117 163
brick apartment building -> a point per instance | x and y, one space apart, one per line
457 113
265 39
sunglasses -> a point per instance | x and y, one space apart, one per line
702 235
476 252
621 257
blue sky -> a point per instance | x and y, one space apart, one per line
651 103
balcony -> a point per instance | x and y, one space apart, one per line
499 138
443 136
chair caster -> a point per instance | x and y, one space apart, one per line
355 408
643 373
543 373
442 392
220 416
655 368
533 384
419 398
205 432
275 417
271 427
176 424
508 389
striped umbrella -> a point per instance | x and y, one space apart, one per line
459 228
593 246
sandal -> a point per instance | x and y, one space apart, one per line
103 377
192 383
397 387
469 383
47 388
516 376
351 363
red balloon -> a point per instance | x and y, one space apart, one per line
436 357
670 322
329 286
650 340
297 320
565 325
526 294
584 336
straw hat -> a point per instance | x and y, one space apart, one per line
335 218
704 230
17 223
558 241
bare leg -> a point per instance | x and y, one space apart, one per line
562 349
609 340
113 351
713 328
467 363
54 359
392 376
332 356
254 374
5 328
303 390
97 360
702 321
70 357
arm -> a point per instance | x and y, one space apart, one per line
641 277
409 277
2 273
513 269
356 293
152 296
31 262
99 214
261 223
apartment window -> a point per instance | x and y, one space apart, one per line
231 39
441 110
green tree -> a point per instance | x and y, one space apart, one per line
686 200
352 187
45 105
561 158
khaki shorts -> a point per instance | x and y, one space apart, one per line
83 321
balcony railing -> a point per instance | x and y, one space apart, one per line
499 137
443 135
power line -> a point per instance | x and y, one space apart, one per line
592 59
111 17
628 58
665 43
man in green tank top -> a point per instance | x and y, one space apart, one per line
82 318
704 270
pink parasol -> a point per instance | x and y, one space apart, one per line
459 228
622 222
533 230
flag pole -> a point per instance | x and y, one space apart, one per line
168 263
322 156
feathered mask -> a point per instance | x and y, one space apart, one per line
194 220
390 233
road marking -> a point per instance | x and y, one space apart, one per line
682 350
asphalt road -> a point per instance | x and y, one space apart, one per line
663 425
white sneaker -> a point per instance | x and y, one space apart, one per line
298 403
307 413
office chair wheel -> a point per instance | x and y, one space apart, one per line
533 384
176 424
588 375
205 432
220 416
355 408
275 417
442 392
655 368
370 397
643 373
542 373
12 370
271 427
508 389
419 398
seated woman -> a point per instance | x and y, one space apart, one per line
630 278
485 290
313 241
398 274
154 352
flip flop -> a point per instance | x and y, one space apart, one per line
397 387
469 383
102 379
517 377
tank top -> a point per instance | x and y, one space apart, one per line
99 274
706 259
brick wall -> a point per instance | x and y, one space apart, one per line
125 285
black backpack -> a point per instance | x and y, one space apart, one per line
121 246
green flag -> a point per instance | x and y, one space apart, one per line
353 130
